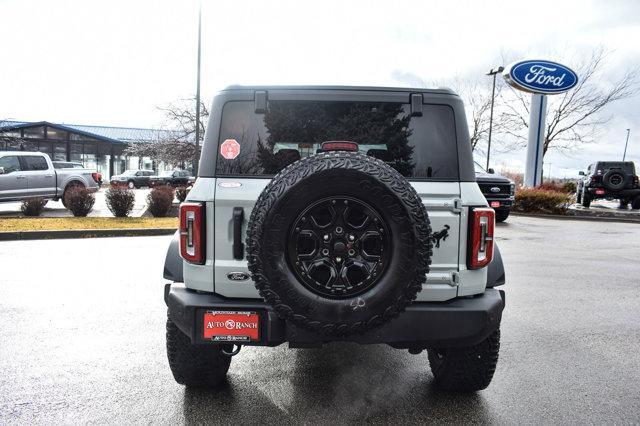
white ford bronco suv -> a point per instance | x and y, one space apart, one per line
324 214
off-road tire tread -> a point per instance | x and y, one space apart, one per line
466 369
194 366
386 175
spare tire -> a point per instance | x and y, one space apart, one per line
614 180
339 243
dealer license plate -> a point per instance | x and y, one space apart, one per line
495 204
231 326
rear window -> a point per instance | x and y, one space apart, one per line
418 147
627 167
35 162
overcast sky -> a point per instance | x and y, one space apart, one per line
113 62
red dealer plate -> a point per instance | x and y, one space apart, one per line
599 191
495 204
231 326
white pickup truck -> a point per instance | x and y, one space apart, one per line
31 174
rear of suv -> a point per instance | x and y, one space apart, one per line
611 180
325 214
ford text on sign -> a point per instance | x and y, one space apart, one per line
540 76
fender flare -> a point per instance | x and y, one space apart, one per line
495 271
173 261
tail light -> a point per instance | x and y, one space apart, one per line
635 180
191 232
482 222
97 177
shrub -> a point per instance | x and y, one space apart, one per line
570 187
182 192
541 201
33 206
551 185
79 200
160 200
120 200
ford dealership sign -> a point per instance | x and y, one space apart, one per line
538 76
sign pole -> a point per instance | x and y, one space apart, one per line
535 144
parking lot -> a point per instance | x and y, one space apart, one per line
83 341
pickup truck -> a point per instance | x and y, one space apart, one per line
32 174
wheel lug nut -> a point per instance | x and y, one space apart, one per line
338 259
352 252
338 230
351 238
326 237
325 252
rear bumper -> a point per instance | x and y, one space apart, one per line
458 322
632 193
504 201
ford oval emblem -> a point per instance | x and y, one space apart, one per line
495 189
238 276
539 76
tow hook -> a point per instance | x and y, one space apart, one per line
234 351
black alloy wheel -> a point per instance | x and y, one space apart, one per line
338 247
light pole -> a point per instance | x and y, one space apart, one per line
493 72
625 145
196 158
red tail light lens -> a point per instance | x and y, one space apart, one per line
192 232
482 223
96 177
339 146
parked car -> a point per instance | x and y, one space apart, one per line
31 174
171 177
497 189
611 180
133 178
306 241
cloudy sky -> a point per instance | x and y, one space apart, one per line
114 62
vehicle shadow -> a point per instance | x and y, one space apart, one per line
339 383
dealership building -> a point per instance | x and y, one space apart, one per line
96 147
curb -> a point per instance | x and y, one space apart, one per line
84 233
586 218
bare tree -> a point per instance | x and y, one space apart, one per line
476 95
575 117
175 143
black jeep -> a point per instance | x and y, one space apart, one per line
610 180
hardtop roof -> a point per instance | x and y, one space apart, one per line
439 91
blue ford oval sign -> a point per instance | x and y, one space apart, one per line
540 76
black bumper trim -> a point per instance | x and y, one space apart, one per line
457 322
613 194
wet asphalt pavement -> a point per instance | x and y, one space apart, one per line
82 340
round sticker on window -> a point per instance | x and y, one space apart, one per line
230 149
